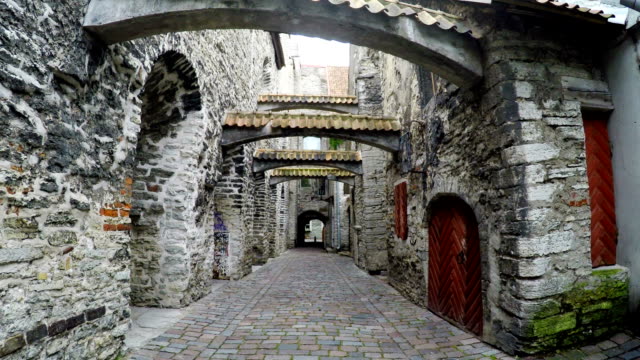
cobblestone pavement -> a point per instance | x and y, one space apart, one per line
309 305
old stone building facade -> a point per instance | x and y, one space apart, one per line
118 189
112 175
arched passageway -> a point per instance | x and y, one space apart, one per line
308 229
436 40
164 226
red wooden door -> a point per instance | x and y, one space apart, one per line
604 232
454 265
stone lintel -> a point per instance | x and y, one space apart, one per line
594 95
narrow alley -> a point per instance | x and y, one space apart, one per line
319 179
308 304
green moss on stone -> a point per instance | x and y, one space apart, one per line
547 309
599 306
584 294
589 310
553 325
606 272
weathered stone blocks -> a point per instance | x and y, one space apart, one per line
14 255
530 153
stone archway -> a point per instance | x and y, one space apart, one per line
441 42
166 223
304 218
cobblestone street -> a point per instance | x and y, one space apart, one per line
308 304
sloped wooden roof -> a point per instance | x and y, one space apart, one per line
330 155
308 121
308 99
310 172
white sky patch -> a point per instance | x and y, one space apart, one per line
320 52
311 143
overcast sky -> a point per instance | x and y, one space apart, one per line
315 51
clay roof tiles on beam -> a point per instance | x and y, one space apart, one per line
310 172
575 7
446 21
426 16
307 121
331 155
308 99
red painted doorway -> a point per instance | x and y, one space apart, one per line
604 232
455 290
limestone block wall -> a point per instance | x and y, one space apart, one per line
245 205
234 199
71 113
513 149
370 190
266 239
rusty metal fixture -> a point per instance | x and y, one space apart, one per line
67 250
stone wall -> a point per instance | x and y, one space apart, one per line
71 114
370 245
512 149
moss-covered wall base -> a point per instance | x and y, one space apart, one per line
593 308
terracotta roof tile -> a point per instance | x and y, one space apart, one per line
574 7
310 172
426 16
446 21
331 155
307 121
309 99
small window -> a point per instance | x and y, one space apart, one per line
305 183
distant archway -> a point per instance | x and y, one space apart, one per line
303 219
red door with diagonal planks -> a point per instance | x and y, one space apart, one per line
455 290
604 232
